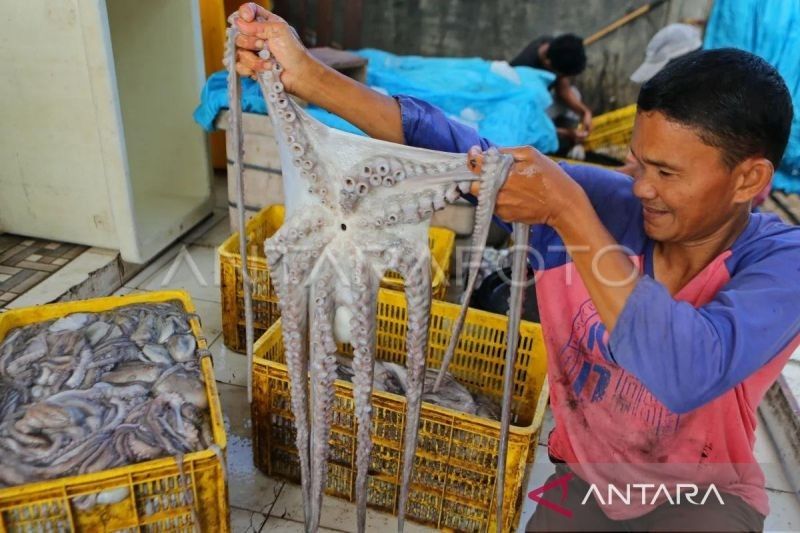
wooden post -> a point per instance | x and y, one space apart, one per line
353 17
301 22
324 22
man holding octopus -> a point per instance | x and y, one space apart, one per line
686 304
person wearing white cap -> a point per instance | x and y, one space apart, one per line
669 43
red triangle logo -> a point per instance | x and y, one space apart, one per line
536 494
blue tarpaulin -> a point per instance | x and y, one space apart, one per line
767 28
505 104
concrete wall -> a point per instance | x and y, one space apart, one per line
498 29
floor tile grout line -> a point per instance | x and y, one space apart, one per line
49 274
204 300
204 245
216 337
193 240
301 523
252 513
782 491
233 385
272 505
212 365
262 524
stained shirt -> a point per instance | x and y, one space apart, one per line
669 397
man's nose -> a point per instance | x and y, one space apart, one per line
643 187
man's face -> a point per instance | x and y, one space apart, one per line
685 188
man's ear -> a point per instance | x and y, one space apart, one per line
752 175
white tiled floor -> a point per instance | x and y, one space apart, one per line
249 489
247 521
209 233
194 268
336 514
229 366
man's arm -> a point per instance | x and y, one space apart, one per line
689 356
304 76
567 95
539 191
685 356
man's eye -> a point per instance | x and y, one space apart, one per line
664 173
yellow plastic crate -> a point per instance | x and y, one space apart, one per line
453 485
612 131
155 493
265 302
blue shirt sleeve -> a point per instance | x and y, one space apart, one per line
689 356
426 126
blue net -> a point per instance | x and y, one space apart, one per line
505 104
767 28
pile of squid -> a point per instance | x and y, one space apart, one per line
92 391
356 208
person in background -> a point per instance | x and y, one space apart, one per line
565 57
671 42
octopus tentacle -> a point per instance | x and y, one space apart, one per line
293 304
362 328
288 121
415 267
518 271
323 374
487 196
237 137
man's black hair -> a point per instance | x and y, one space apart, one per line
734 100
566 54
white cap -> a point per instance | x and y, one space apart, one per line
670 42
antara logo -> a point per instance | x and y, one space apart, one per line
688 491
563 484
644 493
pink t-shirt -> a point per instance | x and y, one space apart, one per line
671 396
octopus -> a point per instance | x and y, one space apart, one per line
93 391
357 207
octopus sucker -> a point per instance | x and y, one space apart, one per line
364 289
417 274
323 374
293 303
